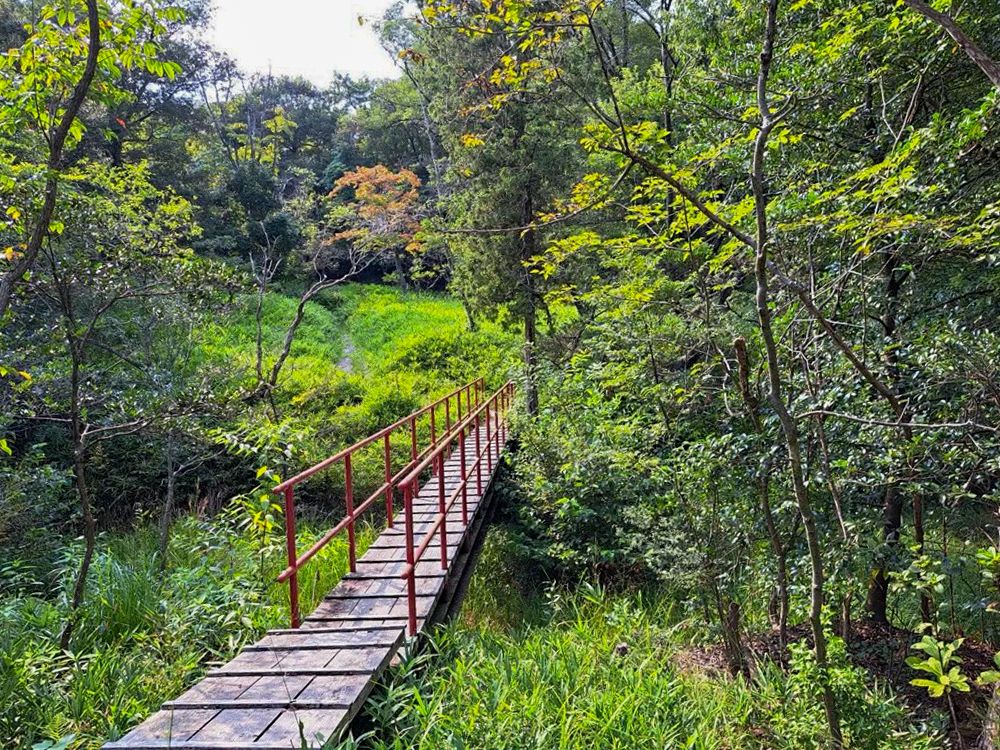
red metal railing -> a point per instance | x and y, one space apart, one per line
493 413
473 395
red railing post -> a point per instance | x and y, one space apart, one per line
489 442
293 581
509 399
349 500
506 411
411 586
388 483
479 461
447 424
465 480
433 432
510 408
496 432
443 512
413 444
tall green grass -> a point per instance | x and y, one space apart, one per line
420 339
587 670
144 636
230 341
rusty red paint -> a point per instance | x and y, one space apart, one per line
471 419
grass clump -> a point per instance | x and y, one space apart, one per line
145 635
589 669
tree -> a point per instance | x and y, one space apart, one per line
382 216
43 85
118 258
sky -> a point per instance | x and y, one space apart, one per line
311 38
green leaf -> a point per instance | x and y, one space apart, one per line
989 676
935 689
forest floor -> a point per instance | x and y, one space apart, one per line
881 651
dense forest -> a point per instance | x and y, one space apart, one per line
742 259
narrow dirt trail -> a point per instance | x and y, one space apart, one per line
346 363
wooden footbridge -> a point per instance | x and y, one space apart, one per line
301 687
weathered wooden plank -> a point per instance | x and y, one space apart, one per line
250 660
236 725
384 554
436 543
374 607
326 619
344 690
270 688
316 728
168 726
398 591
339 639
223 688
345 627
292 671
171 745
276 705
369 660
340 606
429 573
305 659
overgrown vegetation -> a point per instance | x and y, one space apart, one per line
742 258
589 668
149 626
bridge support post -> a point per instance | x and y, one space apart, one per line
444 513
349 501
411 584
293 580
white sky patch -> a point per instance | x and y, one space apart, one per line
311 38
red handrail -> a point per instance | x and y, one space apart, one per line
501 401
475 389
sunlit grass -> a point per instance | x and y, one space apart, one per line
588 670
144 636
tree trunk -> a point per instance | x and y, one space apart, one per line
57 141
780 560
397 259
83 494
168 503
90 540
988 65
775 393
878 589
530 365
777 546
470 319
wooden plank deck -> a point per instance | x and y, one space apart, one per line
299 688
